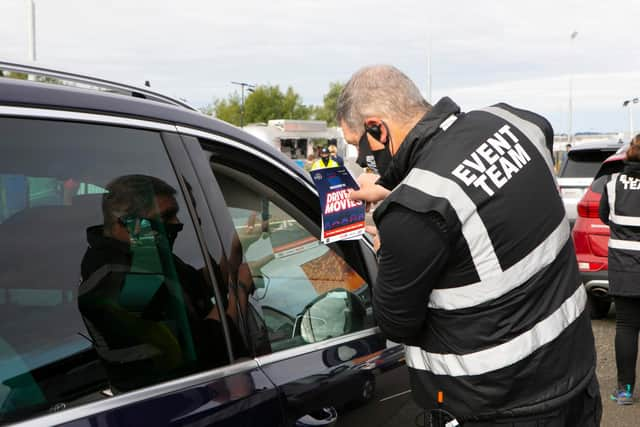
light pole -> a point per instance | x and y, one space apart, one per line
31 29
429 73
250 88
629 103
570 136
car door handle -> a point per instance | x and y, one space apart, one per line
325 417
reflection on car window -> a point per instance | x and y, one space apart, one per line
302 290
96 298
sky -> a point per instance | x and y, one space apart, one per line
482 52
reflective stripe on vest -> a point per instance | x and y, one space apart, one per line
494 282
631 221
505 354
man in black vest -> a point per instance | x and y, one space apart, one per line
477 270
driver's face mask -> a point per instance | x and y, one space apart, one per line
147 230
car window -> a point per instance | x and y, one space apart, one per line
86 313
300 289
583 163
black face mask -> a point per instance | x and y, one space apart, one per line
383 160
365 156
172 231
378 161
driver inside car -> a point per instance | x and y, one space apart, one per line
151 316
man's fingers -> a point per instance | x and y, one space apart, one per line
363 195
372 193
371 229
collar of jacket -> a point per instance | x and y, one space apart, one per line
97 240
632 168
421 134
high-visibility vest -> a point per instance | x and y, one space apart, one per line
506 330
319 164
622 193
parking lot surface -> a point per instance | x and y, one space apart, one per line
613 415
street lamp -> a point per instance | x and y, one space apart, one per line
629 103
250 88
570 136
31 29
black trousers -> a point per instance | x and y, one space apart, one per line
627 328
584 410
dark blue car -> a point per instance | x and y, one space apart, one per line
218 307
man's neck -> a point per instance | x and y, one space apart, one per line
399 133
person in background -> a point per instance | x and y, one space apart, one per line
620 209
309 163
334 155
325 160
481 285
149 313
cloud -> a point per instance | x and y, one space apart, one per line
195 48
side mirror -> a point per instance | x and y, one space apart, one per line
333 314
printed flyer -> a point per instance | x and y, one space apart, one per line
342 218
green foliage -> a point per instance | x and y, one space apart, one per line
327 111
14 75
228 109
25 76
264 103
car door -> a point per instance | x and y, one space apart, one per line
306 305
78 349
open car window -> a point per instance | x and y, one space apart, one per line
299 289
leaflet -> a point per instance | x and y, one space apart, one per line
342 218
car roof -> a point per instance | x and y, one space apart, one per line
23 93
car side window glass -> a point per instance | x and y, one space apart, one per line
301 290
102 282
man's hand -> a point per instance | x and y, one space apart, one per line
369 191
376 237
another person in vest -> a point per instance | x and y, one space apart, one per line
325 160
477 271
620 208
334 155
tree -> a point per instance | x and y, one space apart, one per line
25 76
228 109
327 111
264 103
14 75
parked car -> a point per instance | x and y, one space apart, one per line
578 171
297 343
591 237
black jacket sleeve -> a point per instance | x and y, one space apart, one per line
414 251
604 206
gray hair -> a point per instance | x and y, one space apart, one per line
379 90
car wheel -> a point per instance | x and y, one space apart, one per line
599 307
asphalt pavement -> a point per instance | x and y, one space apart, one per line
393 407
613 415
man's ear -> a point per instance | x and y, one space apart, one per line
377 129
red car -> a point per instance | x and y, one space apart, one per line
591 238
